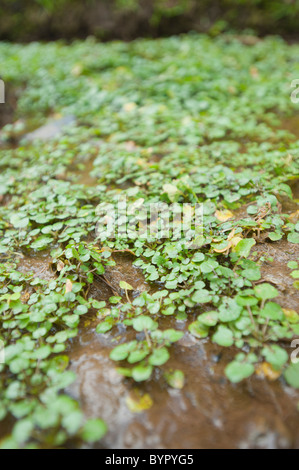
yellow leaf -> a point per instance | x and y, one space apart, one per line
294 217
60 266
136 402
229 244
231 235
68 286
129 107
265 369
254 72
25 297
222 250
124 285
235 240
77 70
130 145
224 215
291 315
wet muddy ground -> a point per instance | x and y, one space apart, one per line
7 109
209 411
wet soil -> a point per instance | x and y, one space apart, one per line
209 412
294 185
276 271
38 264
291 124
7 109
83 175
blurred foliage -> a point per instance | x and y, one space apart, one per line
125 19
153 131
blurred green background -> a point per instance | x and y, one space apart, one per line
26 20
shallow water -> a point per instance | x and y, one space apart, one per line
209 412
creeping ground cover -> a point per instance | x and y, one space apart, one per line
186 120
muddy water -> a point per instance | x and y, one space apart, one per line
208 412
38 264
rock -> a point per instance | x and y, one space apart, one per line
50 130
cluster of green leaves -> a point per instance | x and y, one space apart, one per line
153 351
155 132
38 317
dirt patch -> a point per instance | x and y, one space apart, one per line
5 199
288 206
291 124
38 264
276 272
294 185
107 285
83 175
208 412
7 109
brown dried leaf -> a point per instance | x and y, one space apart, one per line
60 266
68 286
